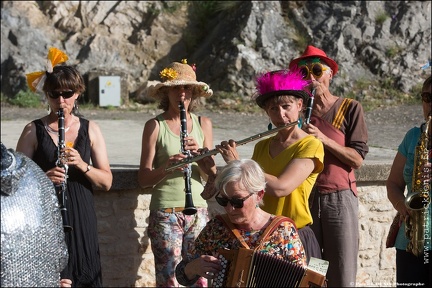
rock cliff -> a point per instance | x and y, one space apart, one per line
230 41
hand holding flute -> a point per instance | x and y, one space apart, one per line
238 143
228 150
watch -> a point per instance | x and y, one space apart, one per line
88 168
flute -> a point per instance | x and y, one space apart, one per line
240 142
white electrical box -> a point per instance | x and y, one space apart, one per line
109 91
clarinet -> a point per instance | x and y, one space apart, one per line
187 171
308 113
61 188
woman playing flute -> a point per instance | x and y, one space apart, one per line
291 159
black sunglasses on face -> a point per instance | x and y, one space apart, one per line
426 97
235 202
56 94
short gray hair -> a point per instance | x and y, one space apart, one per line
246 172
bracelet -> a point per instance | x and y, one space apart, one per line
88 168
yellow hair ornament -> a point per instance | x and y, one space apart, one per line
34 80
31 79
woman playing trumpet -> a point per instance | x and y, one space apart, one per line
291 159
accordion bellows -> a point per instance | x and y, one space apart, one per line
247 268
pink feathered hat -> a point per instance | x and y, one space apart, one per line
281 82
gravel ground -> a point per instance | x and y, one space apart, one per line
386 125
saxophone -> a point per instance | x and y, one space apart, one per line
419 199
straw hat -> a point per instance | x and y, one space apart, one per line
313 52
176 74
281 82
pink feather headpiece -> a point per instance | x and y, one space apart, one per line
281 82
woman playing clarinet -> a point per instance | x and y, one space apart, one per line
81 164
172 136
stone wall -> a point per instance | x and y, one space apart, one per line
127 259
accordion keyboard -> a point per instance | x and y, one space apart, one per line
246 268
219 279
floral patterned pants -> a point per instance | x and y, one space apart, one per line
171 235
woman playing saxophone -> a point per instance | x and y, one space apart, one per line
411 169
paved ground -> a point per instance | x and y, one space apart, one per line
123 130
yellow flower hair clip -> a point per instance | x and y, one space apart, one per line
36 80
168 74
184 61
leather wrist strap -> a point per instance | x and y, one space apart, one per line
88 168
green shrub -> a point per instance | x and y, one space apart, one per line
26 99
393 51
381 17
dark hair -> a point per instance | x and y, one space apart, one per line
62 77
65 77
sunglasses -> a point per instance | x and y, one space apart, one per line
185 87
316 69
235 202
426 97
57 94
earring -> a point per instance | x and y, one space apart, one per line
256 206
49 109
269 126
75 108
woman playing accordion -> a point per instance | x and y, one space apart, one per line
241 187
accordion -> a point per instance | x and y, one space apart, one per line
248 268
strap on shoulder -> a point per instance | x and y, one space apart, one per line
271 227
337 121
225 219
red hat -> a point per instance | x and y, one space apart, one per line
311 52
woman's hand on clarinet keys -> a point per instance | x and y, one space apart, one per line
74 159
65 283
174 159
56 175
228 150
190 144
205 266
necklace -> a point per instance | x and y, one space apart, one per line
52 131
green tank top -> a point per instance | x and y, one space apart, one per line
170 192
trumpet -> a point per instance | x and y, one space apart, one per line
240 142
